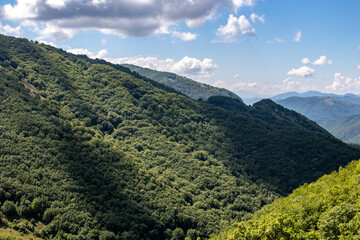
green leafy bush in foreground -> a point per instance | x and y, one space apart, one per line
326 209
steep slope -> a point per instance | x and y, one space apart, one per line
326 209
90 151
347 129
268 111
190 88
320 108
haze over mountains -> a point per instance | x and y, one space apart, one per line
92 150
336 113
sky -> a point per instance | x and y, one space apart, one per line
255 48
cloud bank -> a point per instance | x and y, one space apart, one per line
61 19
190 67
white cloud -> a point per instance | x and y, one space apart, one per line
124 18
242 86
101 54
48 43
187 66
297 37
277 40
255 17
56 33
8 30
305 61
184 36
323 60
358 67
304 71
243 3
235 29
58 4
342 83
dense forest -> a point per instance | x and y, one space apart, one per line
91 150
190 88
326 209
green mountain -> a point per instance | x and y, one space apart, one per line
321 108
190 88
91 150
347 129
326 209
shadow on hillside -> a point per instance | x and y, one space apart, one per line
103 178
280 157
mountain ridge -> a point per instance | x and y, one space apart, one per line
98 152
189 87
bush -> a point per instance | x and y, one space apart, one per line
9 208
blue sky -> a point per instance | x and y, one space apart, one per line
252 47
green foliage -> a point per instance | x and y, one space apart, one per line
90 150
9 208
190 88
178 234
326 209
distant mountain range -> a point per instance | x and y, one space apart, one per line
189 87
321 108
346 129
336 113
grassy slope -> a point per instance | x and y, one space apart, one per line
326 209
107 155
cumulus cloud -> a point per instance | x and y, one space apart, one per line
242 86
187 66
304 71
64 18
100 54
297 37
305 61
235 29
48 43
8 30
184 36
255 17
342 83
323 60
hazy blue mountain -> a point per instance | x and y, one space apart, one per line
321 108
346 129
189 87
297 94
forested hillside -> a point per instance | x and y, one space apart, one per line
326 209
322 108
347 129
190 88
90 150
